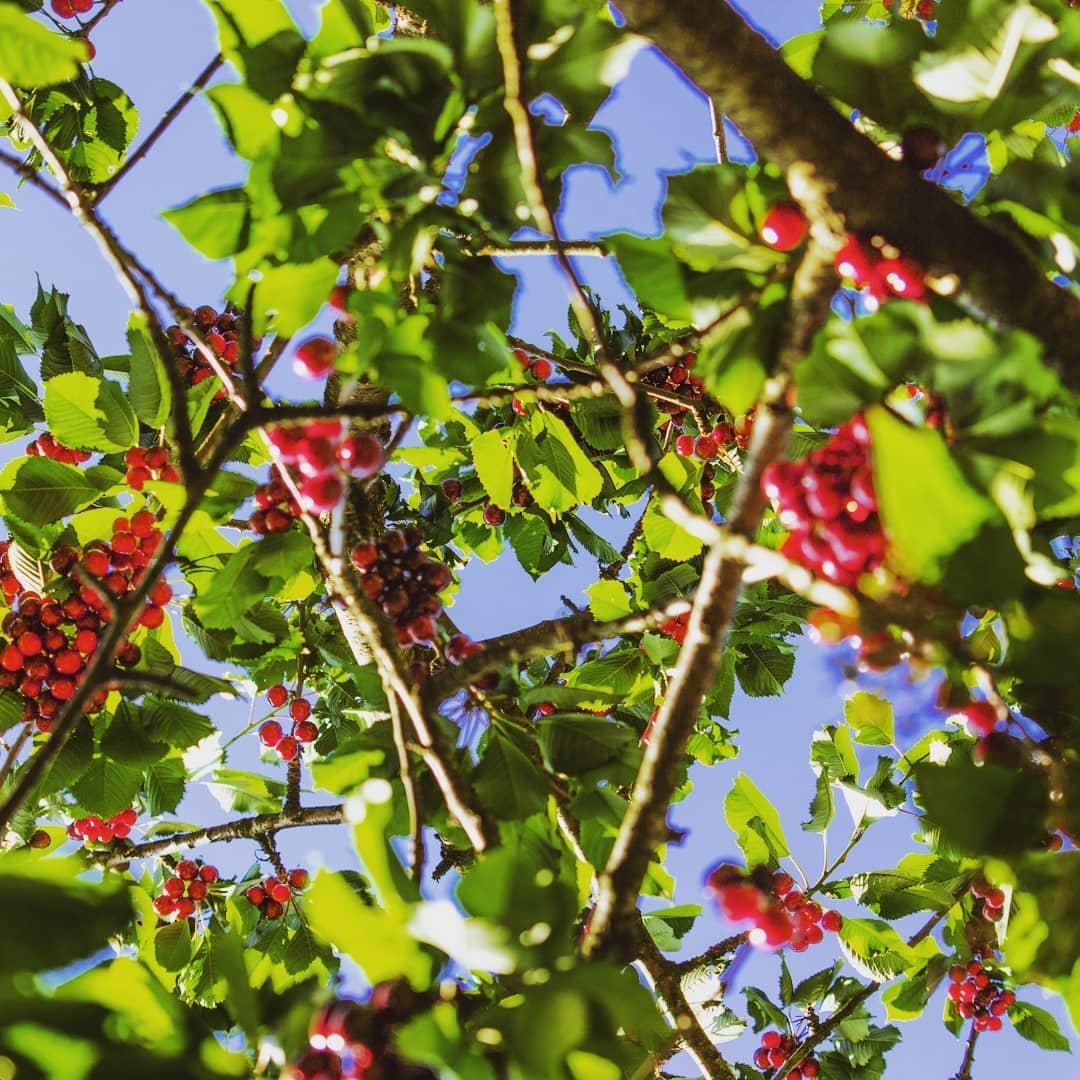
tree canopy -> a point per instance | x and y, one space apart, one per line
841 411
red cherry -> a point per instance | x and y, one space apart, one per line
273 909
173 887
784 227
684 445
197 890
298 879
903 278
306 731
452 489
63 9
280 892
832 921
270 733
771 1040
705 447
300 709
277 695
86 641
288 748
494 515
782 883
186 870
163 905
362 455
320 493
541 369
256 894
315 358
522 357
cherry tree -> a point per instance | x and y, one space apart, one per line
842 406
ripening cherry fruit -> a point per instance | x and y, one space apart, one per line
684 445
362 455
270 733
307 731
186 870
277 695
257 895
541 369
280 892
452 489
288 748
494 515
298 878
783 227
63 9
315 358
300 709
832 921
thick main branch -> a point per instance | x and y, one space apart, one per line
789 121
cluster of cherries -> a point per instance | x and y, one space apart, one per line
95 830
707 446
220 331
871 263
978 995
188 886
144 465
881 269
273 896
780 913
68 9
46 445
399 576
538 367
774 1051
325 456
676 378
275 507
350 1041
989 900
47 640
676 627
828 505
304 730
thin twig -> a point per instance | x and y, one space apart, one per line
161 127
969 1056
89 25
33 177
13 752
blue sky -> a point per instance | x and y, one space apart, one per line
660 125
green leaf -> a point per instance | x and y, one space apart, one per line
763 668
669 926
812 989
61 918
289 297
822 809
215 224
493 457
763 1012
40 491
107 787
755 822
608 600
31 55
508 783
1038 1026
148 384
164 783
377 941
989 809
172 946
874 948
246 792
90 414
559 474
927 508
871 717
655 275
667 538
600 421
575 743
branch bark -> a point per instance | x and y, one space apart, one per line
645 823
789 121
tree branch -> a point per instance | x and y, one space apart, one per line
666 977
969 1056
251 828
645 823
33 177
548 638
789 121
162 126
